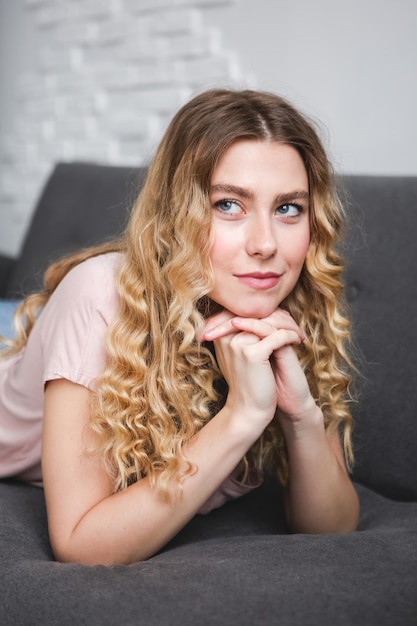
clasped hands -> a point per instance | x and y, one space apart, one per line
259 363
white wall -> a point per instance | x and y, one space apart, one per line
98 81
19 50
94 80
350 63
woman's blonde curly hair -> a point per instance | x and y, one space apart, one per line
159 386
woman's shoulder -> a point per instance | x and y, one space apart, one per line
94 274
97 268
90 285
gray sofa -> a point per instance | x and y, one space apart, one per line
239 565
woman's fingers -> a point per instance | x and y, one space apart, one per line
226 323
271 342
218 326
264 328
282 319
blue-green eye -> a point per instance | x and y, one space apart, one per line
289 210
228 207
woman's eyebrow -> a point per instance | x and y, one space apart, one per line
281 198
286 198
233 189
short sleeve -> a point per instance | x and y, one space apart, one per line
73 325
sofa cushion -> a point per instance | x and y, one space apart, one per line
237 565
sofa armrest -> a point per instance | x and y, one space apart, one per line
6 265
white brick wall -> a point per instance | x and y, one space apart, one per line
111 75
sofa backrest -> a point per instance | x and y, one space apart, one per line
83 204
381 285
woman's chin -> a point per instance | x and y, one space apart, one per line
253 315
252 312
243 309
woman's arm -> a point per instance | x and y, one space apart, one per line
319 497
90 524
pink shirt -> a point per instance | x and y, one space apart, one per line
67 341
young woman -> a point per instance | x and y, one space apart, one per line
158 376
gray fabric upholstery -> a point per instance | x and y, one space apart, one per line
239 565
81 205
235 566
382 289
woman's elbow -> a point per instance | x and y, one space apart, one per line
90 554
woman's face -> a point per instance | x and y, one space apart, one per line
260 203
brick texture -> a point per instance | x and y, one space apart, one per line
111 75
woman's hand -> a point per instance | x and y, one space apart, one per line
258 362
319 496
294 400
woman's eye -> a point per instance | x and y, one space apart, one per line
228 206
289 210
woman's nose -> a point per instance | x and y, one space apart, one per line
261 239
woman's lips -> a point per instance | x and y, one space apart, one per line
258 280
